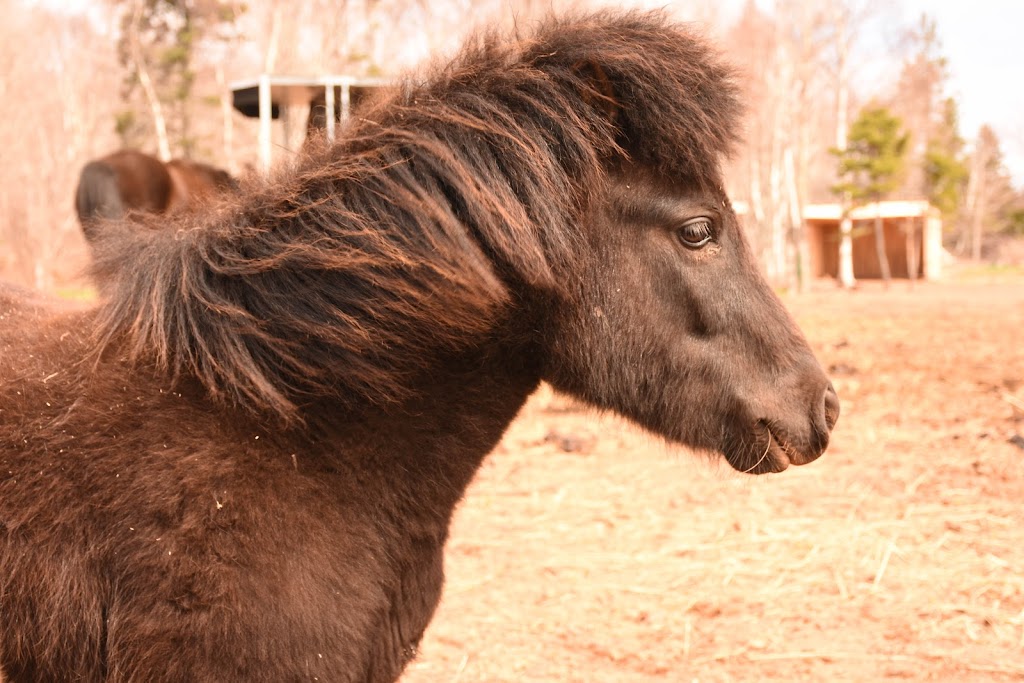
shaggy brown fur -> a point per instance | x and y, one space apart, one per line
502 142
243 464
128 181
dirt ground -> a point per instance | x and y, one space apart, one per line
588 551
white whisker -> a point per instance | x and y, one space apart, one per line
763 455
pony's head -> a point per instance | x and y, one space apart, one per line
663 315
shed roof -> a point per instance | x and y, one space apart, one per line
285 90
263 97
905 208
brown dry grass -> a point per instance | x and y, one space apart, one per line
587 551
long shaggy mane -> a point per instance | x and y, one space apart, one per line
414 234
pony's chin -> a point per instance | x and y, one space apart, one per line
770 452
767 463
775 456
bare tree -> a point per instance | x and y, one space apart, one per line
754 36
989 191
806 41
71 72
136 56
919 98
843 43
796 56
782 56
159 42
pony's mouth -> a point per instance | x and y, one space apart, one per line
773 454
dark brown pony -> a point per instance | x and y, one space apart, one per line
242 465
129 181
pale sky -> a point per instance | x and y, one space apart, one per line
984 43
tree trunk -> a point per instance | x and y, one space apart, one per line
977 215
227 122
155 107
911 230
270 56
976 237
777 217
846 278
295 119
796 221
781 153
757 205
976 201
880 250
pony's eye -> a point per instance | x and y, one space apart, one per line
696 232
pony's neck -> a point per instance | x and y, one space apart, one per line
428 448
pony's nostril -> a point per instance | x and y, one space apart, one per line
831 404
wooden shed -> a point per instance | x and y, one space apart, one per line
913 239
266 96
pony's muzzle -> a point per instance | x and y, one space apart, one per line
822 424
831 407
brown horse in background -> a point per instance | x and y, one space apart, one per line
128 181
242 464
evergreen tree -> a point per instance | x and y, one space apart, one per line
945 167
871 165
1015 218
